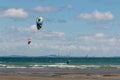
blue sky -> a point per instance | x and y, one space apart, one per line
71 27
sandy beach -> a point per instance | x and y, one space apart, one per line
60 77
59 74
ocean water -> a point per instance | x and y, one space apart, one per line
60 62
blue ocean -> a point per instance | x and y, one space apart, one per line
38 62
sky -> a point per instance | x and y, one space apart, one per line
70 28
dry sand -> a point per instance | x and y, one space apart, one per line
61 77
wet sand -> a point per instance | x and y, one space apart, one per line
59 74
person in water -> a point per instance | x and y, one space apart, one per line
67 62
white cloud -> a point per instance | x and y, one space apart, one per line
99 35
87 48
14 13
50 35
98 39
63 47
96 16
37 34
44 9
50 8
32 28
103 28
69 6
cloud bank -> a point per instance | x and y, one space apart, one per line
96 16
46 42
44 9
14 13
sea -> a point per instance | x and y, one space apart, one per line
60 62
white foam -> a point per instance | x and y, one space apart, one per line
12 66
76 66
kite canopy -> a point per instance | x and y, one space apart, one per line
29 41
39 23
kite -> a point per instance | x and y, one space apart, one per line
39 23
29 41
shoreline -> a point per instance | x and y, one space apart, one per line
58 70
